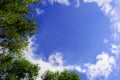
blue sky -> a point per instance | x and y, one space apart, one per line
81 35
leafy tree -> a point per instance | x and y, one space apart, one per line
15 29
65 75
17 69
15 25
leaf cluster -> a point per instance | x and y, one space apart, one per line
15 25
15 29
17 68
65 75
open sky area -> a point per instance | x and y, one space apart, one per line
78 35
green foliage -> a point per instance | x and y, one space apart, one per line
65 75
15 29
15 26
17 68
5 62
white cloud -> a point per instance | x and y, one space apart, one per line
39 12
99 2
103 4
77 3
43 2
63 2
115 36
106 40
102 68
54 62
56 59
105 63
115 49
112 12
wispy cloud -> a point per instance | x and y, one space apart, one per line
55 61
106 41
77 3
39 11
63 2
112 12
102 68
115 49
105 61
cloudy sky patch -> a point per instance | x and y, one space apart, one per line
61 45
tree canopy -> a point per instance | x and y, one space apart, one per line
17 69
65 75
15 25
15 29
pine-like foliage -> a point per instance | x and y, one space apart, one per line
15 25
15 29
